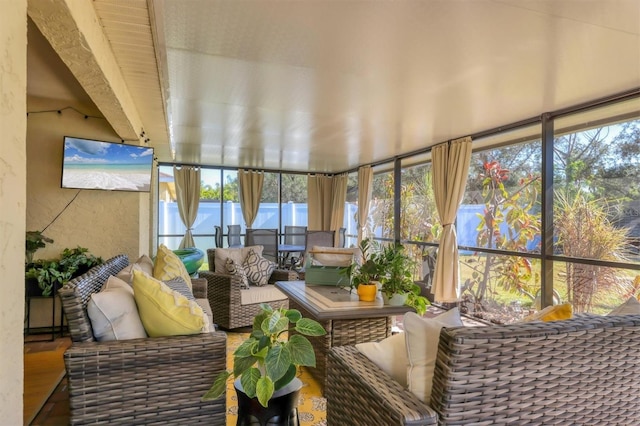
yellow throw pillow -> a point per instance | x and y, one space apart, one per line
552 313
168 265
165 312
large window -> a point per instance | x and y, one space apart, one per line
380 224
499 227
293 200
351 211
283 202
419 223
595 206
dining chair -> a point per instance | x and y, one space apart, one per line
268 238
218 237
342 238
294 236
233 236
320 238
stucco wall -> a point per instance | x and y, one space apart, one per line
105 222
13 83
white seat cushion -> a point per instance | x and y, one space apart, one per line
264 294
423 336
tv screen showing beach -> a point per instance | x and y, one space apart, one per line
90 164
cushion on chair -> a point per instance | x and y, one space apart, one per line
552 313
630 307
165 312
168 265
335 256
178 284
390 354
422 338
237 254
234 268
113 312
258 269
144 263
264 294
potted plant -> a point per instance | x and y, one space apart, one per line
364 276
50 273
265 364
397 284
34 240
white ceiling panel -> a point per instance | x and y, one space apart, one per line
329 85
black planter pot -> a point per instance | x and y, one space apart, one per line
282 409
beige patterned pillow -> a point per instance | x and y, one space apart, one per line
237 269
258 269
237 254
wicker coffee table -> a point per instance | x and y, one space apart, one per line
347 320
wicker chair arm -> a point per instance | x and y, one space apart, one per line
283 275
222 289
199 287
217 282
357 390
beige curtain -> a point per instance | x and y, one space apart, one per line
450 169
338 200
326 198
319 202
365 188
250 191
187 180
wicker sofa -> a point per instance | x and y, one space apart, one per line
582 371
139 381
225 293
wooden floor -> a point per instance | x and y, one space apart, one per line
46 400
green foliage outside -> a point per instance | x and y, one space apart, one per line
293 189
590 181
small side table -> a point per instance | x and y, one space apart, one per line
53 297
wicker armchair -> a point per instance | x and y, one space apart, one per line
138 381
581 371
224 292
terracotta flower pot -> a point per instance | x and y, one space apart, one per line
367 292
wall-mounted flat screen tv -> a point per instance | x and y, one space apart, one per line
91 164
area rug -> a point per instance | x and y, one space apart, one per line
43 371
312 406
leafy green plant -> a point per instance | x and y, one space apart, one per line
34 240
72 263
369 269
393 267
266 361
397 277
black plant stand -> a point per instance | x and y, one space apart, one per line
30 295
282 410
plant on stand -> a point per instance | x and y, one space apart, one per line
267 362
50 273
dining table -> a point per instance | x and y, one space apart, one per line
285 250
